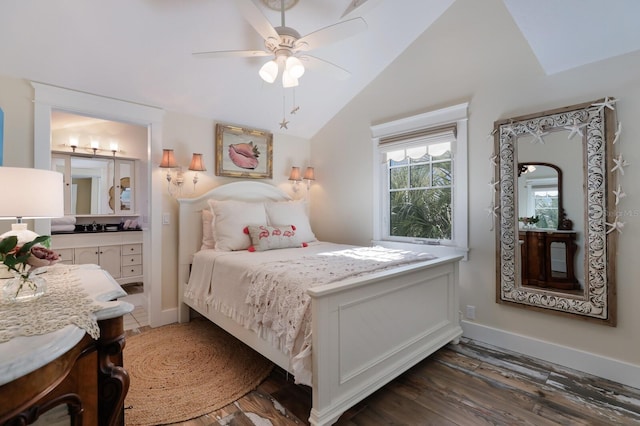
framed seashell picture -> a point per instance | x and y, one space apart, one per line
243 153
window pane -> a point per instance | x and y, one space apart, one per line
420 176
421 213
442 174
398 177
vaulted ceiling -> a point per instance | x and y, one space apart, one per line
141 50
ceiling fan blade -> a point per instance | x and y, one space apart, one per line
326 67
257 20
232 54
359 6
331 34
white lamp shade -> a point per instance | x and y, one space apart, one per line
294 67
269 71
31 193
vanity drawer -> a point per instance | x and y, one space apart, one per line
66 255
131 270
134 259
131 249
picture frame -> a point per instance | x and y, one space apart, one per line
243 152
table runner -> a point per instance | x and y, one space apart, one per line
65 303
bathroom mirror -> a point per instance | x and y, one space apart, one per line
572 271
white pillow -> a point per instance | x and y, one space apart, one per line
291 213
231 217
208 242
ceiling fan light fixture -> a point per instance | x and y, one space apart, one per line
269 71
288 80
294 67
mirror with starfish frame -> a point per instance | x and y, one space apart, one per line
595 124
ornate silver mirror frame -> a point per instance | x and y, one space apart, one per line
595 122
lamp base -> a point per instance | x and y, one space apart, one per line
20 230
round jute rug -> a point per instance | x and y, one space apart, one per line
182 371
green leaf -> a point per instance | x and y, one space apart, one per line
7 244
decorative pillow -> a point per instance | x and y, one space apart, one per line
273 237
208 242
230 219
291 212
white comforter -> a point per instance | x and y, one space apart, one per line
266 291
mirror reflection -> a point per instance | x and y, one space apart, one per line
91 179
539 195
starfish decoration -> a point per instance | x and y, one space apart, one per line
490 135
493 160
619 193
509 130
537 136
618 133
284 123
295 109
576 128
615 226
494 185
607 103
620 163
492 210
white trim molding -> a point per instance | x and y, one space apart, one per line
587 362
458 115
46 99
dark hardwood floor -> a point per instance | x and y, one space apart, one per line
466 384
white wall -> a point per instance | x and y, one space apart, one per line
475 53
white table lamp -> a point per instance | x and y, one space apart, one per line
29 194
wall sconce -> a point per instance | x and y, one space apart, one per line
294 177
196 166
175 173
309 175
113 146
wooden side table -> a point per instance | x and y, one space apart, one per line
88 376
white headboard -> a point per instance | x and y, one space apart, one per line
190 218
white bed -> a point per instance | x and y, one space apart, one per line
414 308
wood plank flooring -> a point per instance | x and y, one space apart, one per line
466 384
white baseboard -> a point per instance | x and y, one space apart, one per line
597 365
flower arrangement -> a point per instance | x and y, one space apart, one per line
23 260
529 220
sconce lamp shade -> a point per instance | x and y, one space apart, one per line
295 174
196 163
168 159
31 193
309 174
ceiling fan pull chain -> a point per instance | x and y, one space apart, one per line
294 107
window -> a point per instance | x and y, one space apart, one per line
421 181
544 200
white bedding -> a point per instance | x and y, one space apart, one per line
257 289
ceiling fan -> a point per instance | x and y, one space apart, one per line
286 45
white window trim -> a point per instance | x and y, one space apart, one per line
455 114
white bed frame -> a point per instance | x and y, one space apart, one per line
366 331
